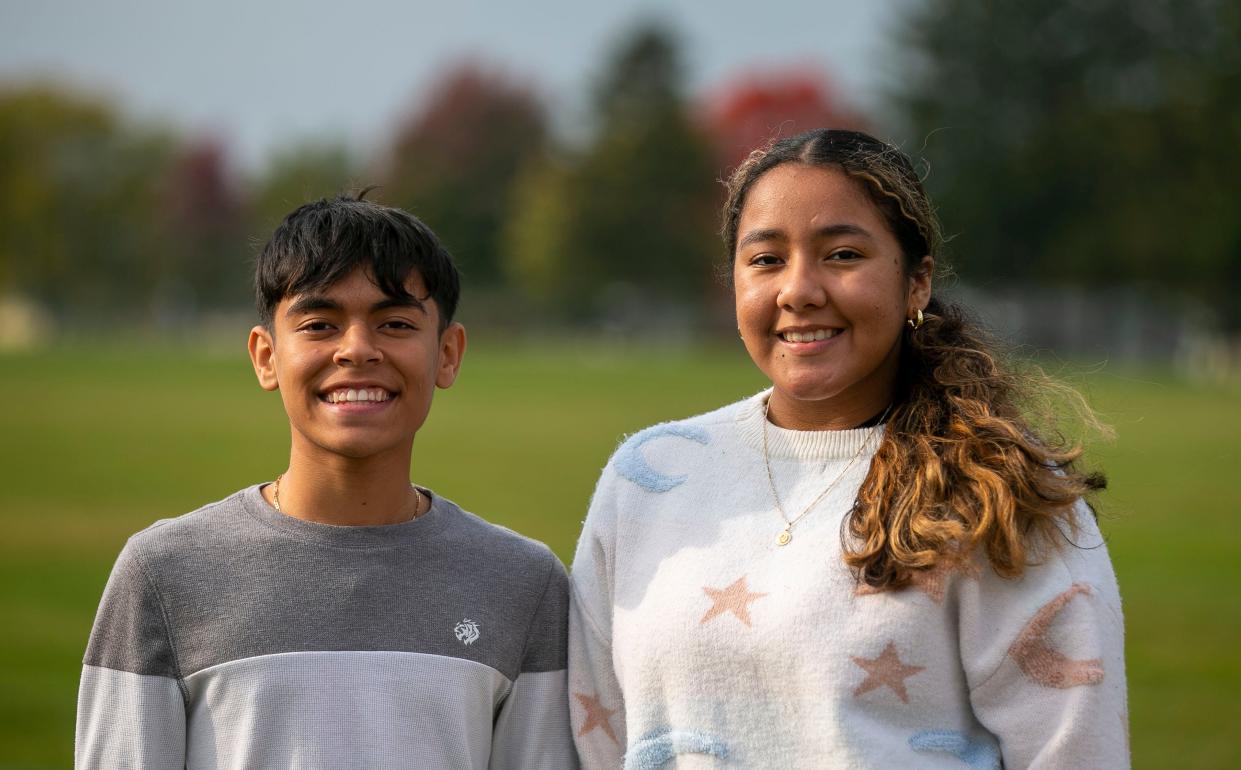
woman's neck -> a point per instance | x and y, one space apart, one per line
835 414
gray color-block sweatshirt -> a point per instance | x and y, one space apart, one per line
238 637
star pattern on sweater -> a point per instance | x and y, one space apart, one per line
885 670
596 716
932 582
735 598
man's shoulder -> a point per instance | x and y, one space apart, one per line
514 582
497 541
173 537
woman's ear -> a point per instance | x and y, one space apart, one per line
920 279
262 349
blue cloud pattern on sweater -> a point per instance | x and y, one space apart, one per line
977 754
659 747
632 465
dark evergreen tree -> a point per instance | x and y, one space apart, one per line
643 193
1089 142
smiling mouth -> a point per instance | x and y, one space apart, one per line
353 395
808 336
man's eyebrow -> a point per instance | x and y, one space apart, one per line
312 302
308 302
399 302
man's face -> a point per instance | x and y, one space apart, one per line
356 368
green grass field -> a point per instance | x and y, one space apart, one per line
98 442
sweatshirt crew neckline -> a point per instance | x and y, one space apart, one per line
346 536
821 445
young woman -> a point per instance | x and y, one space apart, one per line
882 561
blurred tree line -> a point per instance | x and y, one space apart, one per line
1087 142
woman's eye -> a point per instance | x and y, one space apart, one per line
844 255
765 260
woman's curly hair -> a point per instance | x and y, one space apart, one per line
972 457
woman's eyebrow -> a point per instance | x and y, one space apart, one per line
843 228
827 231
757 236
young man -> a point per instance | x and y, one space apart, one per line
338 617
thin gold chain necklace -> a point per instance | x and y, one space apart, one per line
275 496
786 535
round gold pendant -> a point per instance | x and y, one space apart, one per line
784 538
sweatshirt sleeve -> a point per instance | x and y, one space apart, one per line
532 726
596 704
131 710
1044 657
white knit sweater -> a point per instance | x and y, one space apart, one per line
697 642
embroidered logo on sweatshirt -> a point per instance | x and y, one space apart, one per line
467 631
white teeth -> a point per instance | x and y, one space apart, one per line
817 334
353 395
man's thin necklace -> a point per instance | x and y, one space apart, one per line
275 496
786 535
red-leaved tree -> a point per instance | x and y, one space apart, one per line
756 107
454 161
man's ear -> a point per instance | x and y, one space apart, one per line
262 347
920 284
452 350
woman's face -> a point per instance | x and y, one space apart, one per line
822 296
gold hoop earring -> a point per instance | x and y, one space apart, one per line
915 323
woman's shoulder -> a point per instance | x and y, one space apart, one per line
662 457
700 428
1075 562
1060 624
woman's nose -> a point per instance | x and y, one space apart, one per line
801 286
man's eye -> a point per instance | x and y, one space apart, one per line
316 326
399 324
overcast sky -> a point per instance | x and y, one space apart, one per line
262 73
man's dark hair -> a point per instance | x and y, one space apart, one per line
322 242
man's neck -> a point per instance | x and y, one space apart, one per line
347 492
